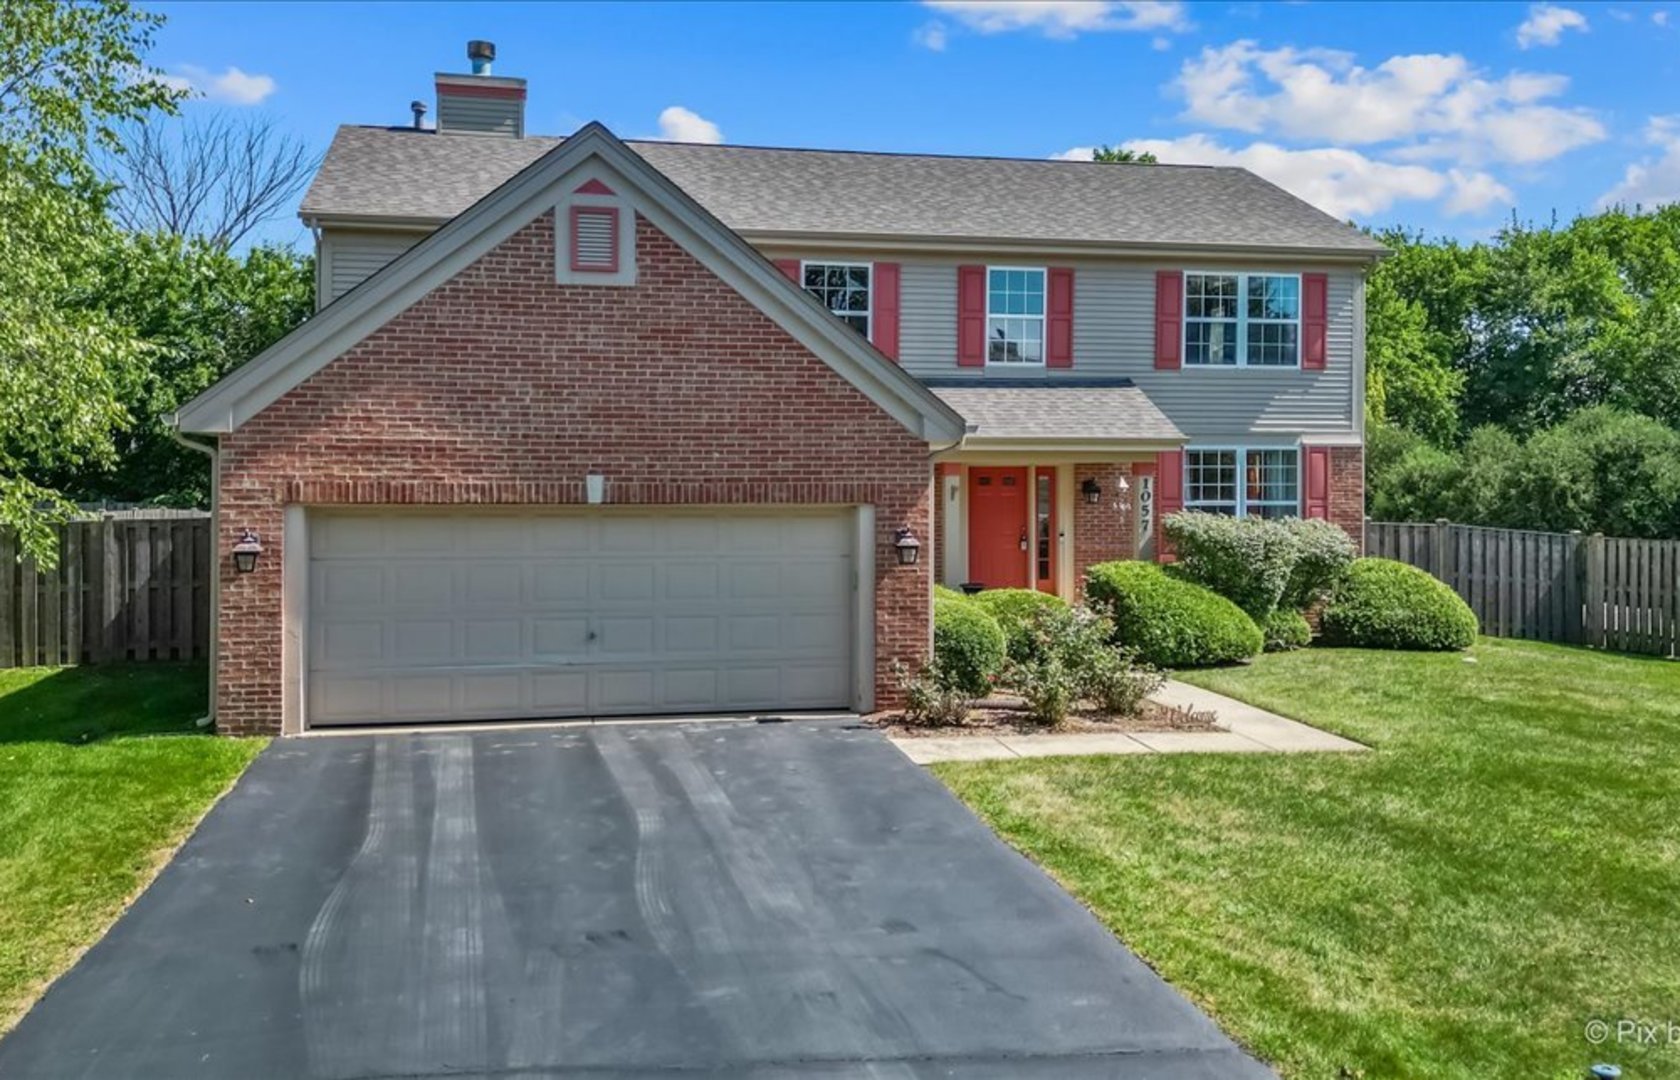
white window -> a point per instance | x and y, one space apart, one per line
1242 320
843 288
1243 482
1014 315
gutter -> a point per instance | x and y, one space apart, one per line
210 451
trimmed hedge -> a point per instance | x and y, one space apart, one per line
1383 604
1170 622
1246 560
1284 630
968 645
1014 610
1323 556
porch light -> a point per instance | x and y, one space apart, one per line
909 548
245 552
1091 490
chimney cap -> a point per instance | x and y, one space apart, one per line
481 50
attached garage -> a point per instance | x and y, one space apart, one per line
491 614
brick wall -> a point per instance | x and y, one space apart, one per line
1104 531
1347 491
501 386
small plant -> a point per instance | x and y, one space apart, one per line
1070 660
929 699
1285 629
1014 609
968 644
1118 683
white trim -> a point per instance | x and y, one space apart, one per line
849 264
294 620
529 194
1043 328
1242 319
955 517
1242 450
863 613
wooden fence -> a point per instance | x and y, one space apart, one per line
132 585
1609 592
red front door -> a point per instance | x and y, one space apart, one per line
997 527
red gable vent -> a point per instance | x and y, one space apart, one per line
595 239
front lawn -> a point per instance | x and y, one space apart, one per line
101 775
1501 869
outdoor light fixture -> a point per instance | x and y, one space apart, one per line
245 552
1091 490
909 548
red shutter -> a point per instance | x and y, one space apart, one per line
790 267
971 316
1058 322
1169 319
1318 481
1169 496
1315 320
883 298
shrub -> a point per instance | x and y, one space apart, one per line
1169 622
968 645
930 700
1246 560
1383 604
1285 629
1062 647
1014 610
1117 682
1323 552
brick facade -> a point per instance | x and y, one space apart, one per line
1347 491
503 387
1106 530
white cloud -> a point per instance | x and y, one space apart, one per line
1546 23
1660 17
1438 103
1655 180
231 87
930 35
1341 182
1065 18
677 124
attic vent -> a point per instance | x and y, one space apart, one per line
595 239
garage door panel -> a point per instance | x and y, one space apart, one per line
420 617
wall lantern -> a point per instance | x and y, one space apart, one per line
1091 490
245 552
909 548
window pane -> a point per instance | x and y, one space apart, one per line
1273 297
1210 342
1210 296
1210 480
1015 340
1273 344
1272 482
843 289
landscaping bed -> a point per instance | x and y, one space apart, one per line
1002 715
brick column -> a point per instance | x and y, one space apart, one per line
1102 532
1347 491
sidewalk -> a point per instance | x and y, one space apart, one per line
1244 730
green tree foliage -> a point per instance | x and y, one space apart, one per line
1123 156
68 73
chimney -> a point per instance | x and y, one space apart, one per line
480 103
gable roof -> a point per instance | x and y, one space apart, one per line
529 193
1071 411
404 175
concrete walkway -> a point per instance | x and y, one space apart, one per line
1244 729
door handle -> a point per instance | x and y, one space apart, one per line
1023 539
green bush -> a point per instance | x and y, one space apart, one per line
968 645
1169 622
929 700
1285 629
1014 610
1246 560
1383 604
1117 682
1323 553
1062 646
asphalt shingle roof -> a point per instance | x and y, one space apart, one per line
403 173
1065 412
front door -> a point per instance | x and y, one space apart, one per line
997 527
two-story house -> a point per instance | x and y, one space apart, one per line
594 427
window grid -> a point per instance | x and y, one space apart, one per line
1242 320
1270 484
1014 315
843 288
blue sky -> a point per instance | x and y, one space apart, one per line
1444 117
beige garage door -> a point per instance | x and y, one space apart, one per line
473 616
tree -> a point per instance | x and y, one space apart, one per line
68 74
1123 156
1410 378
217 177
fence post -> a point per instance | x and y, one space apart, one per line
1574 588
1593 590
1438 550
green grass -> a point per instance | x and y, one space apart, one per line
101 775
1503 867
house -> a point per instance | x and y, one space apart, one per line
592 427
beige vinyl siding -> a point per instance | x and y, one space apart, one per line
461 114
348 258
1114 335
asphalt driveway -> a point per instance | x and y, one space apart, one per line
718 900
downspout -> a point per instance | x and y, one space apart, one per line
209 450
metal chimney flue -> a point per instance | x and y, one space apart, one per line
419 110
482 54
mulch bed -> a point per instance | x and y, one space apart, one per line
1005 716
